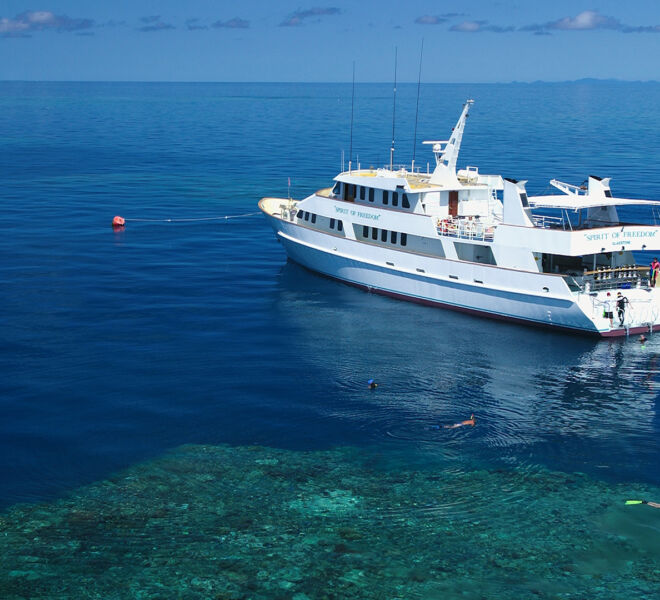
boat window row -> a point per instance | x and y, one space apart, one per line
351 191
383 235
336 224
394 199
305 215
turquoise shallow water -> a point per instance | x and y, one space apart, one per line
250 522
141 368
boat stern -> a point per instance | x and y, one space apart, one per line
633 310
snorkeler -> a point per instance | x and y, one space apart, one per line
653 504
471 421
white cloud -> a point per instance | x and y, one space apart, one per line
588 19
41 20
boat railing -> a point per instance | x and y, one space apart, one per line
638 312
547 222
466 228
567 224
641 312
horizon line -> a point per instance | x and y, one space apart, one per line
511 82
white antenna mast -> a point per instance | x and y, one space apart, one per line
393 111
446 151
419 81
350 154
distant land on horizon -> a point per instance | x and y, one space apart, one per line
593 80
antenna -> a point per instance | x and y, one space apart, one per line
393 109
419 81
350 154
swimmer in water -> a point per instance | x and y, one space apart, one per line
471 421
653 504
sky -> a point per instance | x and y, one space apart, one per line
268 40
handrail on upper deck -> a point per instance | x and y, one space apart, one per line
465 229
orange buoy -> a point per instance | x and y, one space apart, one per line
118 222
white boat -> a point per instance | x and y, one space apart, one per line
477 243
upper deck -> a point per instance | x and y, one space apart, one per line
418 181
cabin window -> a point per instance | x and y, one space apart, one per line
404 239
371 194
374 233
524 200
393 237
361 193
474 253
340 226
395 199
300 213
558 263
404 201
313 217
337 189
365 231
306 216
383 235
608 194
332 223
385 198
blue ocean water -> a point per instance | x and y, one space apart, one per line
119 346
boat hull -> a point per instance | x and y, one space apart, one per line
367 266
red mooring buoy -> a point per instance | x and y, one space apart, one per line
118 222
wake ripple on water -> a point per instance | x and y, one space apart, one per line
549 400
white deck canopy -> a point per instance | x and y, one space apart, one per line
594 195
575 202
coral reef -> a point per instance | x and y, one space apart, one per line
235 523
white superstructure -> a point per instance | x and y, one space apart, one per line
477 243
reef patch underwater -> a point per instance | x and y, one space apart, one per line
251 522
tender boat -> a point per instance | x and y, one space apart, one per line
477 243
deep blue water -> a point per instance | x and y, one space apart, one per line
118 346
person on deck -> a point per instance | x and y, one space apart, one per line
653 274
621 302
608 313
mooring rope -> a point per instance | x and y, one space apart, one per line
119 221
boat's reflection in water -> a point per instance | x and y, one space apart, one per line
540 398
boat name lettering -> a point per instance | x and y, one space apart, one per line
591 237
617 236
353 213
638 234
365 215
